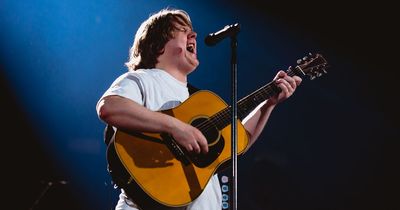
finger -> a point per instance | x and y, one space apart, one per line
298 80
189 148
203 144
196 147
291 81
280 74
285 86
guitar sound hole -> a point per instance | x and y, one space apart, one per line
215 141
211 133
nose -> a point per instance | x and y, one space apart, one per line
192 35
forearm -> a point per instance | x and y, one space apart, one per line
256 123
128 115
125 114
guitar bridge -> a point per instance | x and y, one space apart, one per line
175 148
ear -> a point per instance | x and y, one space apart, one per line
161 51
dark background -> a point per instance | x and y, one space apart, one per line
333 145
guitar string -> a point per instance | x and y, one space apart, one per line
220 119
222 115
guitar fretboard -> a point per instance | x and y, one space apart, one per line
246 104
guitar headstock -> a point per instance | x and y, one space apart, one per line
313 65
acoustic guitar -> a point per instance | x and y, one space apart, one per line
157 173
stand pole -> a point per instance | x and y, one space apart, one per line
42 193
234 122
46 188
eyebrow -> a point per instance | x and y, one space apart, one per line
182 28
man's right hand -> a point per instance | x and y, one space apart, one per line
191 138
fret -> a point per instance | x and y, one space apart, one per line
247 104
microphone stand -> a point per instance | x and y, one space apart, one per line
212 39
41 195
49 184
234 120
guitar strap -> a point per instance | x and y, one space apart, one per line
108 134
192 89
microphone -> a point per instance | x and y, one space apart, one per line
228 31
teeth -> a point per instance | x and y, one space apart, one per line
190 48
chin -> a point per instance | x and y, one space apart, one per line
192 64
191 68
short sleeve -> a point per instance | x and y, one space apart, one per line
128 86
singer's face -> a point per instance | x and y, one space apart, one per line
182 48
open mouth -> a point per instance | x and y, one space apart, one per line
190 48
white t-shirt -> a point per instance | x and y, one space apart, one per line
158 90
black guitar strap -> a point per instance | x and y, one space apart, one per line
192 89
108 134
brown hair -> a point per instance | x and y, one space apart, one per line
152 36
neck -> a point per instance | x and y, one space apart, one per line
174 71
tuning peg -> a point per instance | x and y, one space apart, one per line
305 58
311 55
312 77
299 61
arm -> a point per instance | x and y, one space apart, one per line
256 123
126 114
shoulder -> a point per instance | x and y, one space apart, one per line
142 73
138 75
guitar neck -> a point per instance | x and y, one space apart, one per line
313 66
250 102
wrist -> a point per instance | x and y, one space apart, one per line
269 105
172 124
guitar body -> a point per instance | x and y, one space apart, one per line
156 170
